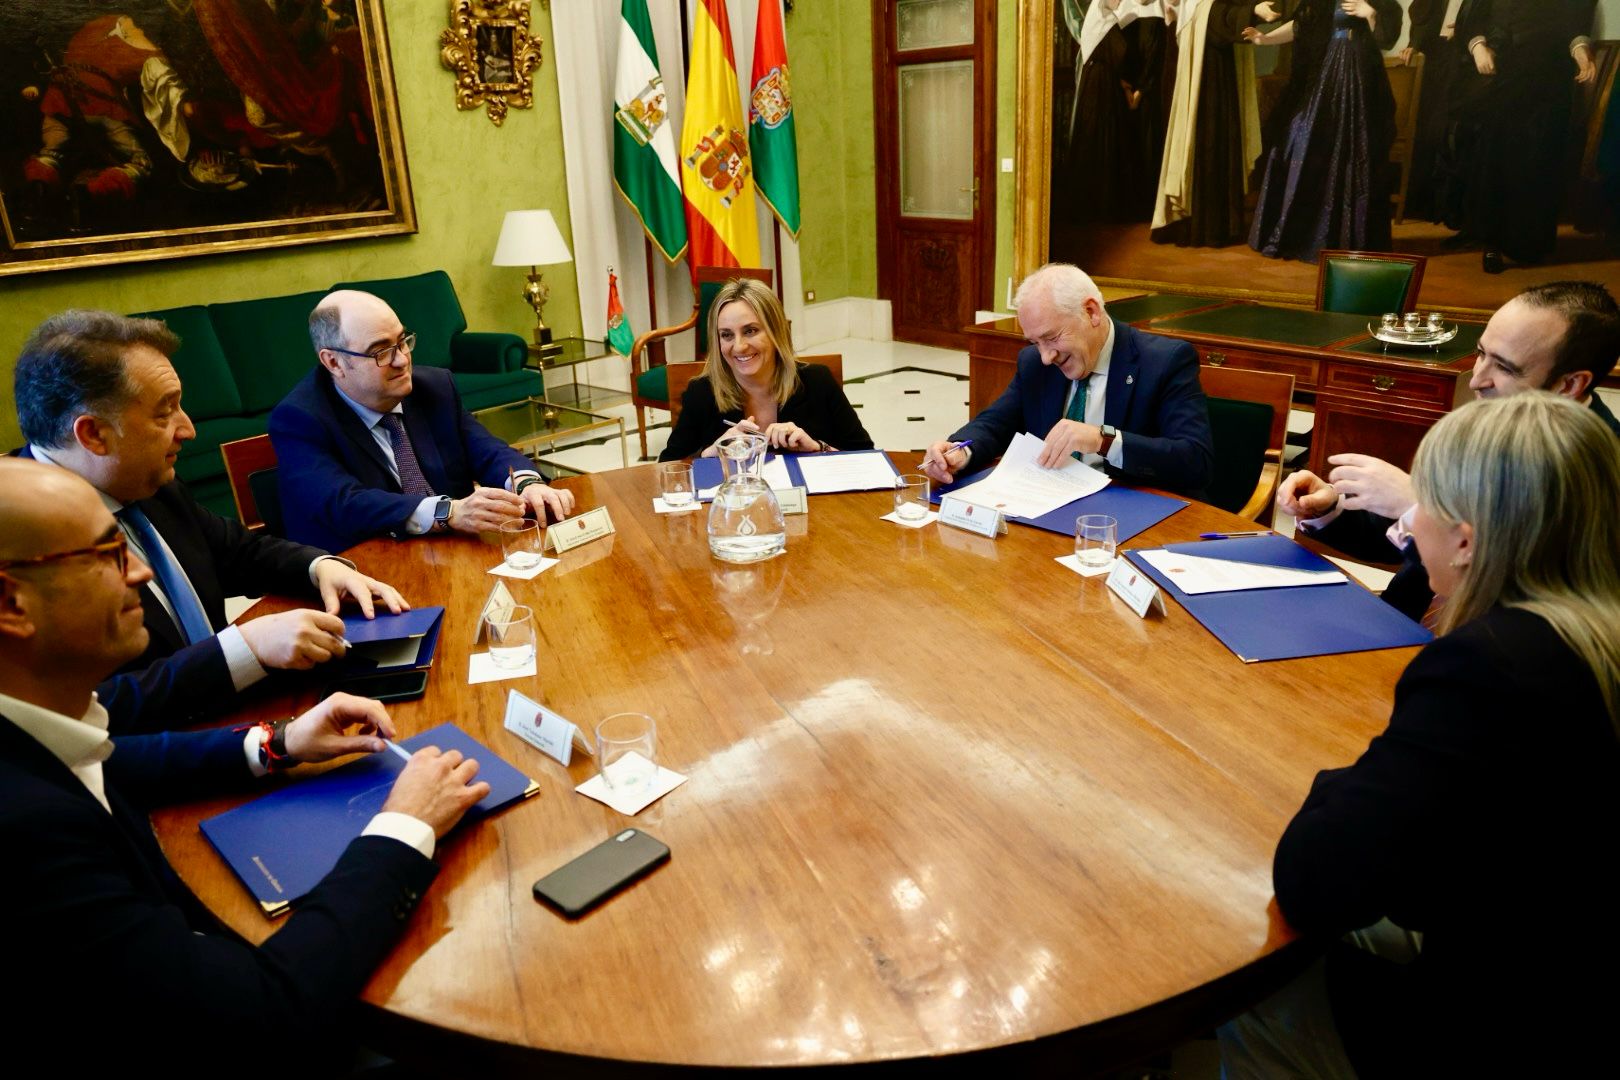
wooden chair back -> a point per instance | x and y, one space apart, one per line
243 458
1266 388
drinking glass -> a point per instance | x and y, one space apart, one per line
511 638
520 540
1095 538
911 497
627 752
675 483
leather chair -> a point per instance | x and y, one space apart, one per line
1248 418
244 460
1368 282
649 382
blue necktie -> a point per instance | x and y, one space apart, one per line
182 597
411 480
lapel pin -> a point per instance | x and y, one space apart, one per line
1129 379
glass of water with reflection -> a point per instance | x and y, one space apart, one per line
511 638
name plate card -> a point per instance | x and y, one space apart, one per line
571 532
543 729
973 518
1135 588
793 500
497 607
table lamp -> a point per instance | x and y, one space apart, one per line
531 238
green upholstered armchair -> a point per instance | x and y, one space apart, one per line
1368 282
649 382
1248 419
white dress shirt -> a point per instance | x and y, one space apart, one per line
1097 404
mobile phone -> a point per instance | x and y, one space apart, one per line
392 686
577 886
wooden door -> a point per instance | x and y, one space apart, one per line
934 89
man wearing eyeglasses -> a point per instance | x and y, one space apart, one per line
97 396
94 907
370 445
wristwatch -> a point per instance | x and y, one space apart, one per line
441 513
1109 434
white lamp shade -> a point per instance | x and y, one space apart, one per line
530 238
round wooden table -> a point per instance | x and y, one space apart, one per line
944 796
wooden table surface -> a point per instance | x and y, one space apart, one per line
944 795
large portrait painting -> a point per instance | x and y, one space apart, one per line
151 129
1221 145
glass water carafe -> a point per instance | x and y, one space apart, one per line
745 520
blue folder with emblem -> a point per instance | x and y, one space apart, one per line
1285 624
282 844
392 642
1135 511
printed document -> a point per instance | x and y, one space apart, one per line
1195 574
1018 487
862 470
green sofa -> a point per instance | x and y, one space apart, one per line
236 361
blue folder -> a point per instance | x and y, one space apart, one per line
707 473
1284 624
282 844
1135 511
387 629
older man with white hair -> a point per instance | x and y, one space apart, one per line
1117 398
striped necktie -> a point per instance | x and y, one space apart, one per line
176 586
411 480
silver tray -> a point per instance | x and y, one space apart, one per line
1417 339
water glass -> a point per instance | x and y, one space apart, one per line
911 497
1095 537
675 483
511 638
521 542
627 753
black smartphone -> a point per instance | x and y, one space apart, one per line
390 686
581 884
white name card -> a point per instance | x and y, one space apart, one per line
497 606
571 532
793 500
973 518
543 729
1135 588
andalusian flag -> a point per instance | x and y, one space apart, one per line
770 120
619 335
644 164
718 179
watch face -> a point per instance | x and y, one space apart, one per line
441 511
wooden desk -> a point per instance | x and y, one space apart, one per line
944 796
1368 401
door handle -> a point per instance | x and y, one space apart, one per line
1216 359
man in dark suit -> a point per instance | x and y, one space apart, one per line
1563 336
96 395
1093 388
370 445
95 908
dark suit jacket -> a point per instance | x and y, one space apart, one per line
119 962
1481 817
1153 397
818 406
336 487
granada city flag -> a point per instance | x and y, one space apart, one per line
717 176
644 163
770 120
619 335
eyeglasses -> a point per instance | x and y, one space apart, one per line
385 355
118 548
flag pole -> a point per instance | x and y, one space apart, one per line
776 243
655 349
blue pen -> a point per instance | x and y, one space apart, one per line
963 445
1233 535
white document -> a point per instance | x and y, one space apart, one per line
775 473
663 782
1018 487
388 654
864 470
1196 574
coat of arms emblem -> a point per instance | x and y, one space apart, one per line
643 114
770 102
721 162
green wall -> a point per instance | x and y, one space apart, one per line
467 173
830 46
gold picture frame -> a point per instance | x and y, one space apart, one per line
489 49
244 132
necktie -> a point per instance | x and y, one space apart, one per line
411 480
1077 407
176 586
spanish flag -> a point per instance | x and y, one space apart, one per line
717 173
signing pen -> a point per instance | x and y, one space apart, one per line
398 749
1233 535
963 445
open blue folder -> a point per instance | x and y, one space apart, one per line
707 473
1284 624
1135 511
372 638
282 844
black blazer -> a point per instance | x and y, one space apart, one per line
1484 817
818 406
95 910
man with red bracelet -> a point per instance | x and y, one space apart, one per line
119 960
